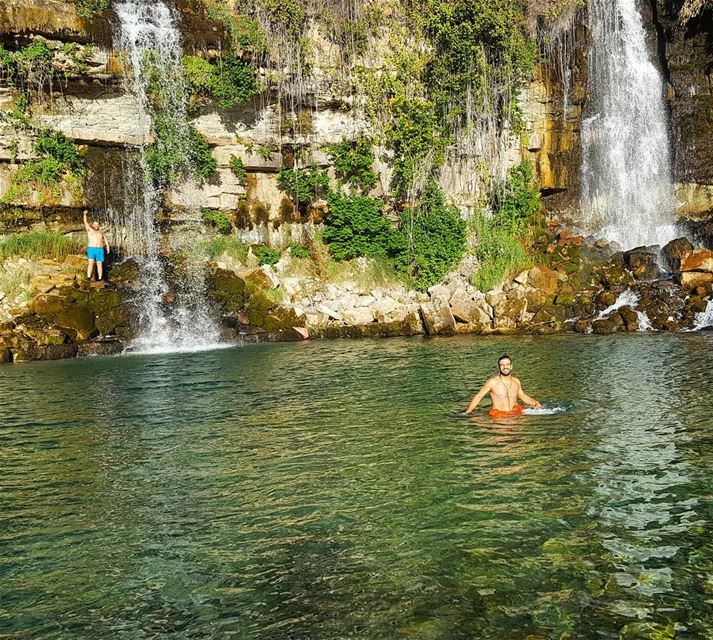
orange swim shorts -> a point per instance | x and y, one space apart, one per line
516 411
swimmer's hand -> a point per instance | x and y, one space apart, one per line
536 405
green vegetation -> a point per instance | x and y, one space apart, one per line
177 151
229 81
514 201
238 168
243 31
303 185
434 236
299 251
289 15
501 247
218 219
266 255
355 227
36 245
60 160
30 68
354 163
215 247
90 8
499 252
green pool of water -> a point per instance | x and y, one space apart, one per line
330 490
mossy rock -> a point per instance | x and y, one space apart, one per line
227 288
605 299
126 273
630 318
604 326
566 298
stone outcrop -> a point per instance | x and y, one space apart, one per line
56 314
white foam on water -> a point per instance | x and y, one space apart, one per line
627 298
644 322
704 319
544 411
152 349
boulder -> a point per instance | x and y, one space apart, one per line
641 262
329 312
674 252
612 324
359 315
698 260
437 317
543 278
693 279
262 278
508 313
469 311
29 351
383 308
630 318
100 348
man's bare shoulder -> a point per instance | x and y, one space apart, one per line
492 381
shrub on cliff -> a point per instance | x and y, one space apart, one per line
229 81
433 238
177 151
354 163
355 227
59 160
303 185
500 250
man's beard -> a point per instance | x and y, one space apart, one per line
505 374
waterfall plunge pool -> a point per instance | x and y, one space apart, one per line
327 490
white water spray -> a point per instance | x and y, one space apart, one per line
627 191
704 319
149 36
627 298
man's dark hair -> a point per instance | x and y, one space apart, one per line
505 356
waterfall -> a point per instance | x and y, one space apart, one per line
627 191
149 38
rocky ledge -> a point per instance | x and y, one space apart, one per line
581 289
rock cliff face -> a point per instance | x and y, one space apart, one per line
687 51
87 101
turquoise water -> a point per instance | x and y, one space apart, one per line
328 490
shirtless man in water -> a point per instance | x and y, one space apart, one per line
96 242
505 390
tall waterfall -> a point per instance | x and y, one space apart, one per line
148 35
627 191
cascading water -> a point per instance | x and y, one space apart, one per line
627 191
148 34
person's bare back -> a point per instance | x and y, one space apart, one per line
504 389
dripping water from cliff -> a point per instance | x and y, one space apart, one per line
148 34
627 191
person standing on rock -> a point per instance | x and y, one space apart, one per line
96 243
505 390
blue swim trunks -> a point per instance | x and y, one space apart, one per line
95 253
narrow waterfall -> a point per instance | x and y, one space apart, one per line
149 38
627 191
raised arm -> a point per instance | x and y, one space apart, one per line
527 399
478 397
86 222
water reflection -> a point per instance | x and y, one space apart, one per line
640 478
